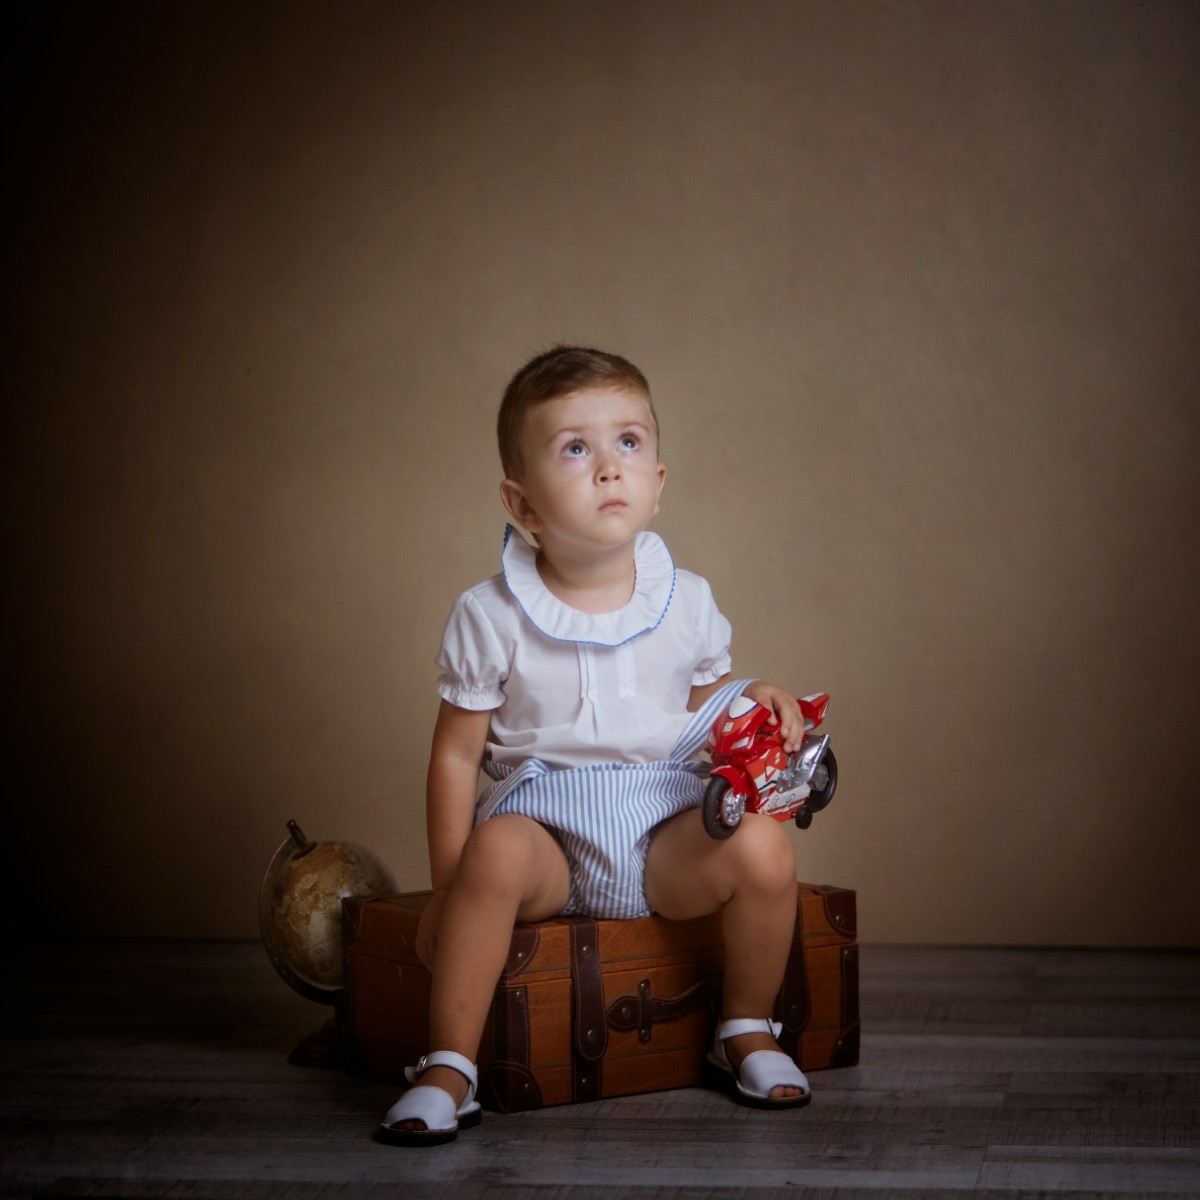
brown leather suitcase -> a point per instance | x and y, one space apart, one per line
591 1008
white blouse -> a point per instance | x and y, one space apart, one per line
572 688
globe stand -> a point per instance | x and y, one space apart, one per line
321 1048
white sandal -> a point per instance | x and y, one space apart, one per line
760 1071
434 1106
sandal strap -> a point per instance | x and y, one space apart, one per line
739 1025
446 1058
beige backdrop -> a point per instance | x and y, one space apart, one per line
916 285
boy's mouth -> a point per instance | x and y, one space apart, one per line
612 505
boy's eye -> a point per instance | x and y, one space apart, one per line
629 441
574 449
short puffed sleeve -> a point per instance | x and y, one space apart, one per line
713 634
472 659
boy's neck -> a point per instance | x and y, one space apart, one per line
590 585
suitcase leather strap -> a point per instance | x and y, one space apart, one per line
589 1032
508 1084
794 1004
640 1012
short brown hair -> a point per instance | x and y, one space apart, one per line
559 372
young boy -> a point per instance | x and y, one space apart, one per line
583 679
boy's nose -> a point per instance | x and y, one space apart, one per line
607 472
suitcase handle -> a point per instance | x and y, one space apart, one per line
640 1012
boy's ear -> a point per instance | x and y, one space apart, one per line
662 478
514 499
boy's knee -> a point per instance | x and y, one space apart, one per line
496 853
767 853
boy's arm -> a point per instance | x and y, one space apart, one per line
459 738
701 692
779 700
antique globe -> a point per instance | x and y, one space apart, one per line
300 908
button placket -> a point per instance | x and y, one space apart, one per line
587 674
626 672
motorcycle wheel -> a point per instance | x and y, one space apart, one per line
818 798
723 808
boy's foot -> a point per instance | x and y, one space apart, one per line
746 1060
449 1080
737 1048
440 1102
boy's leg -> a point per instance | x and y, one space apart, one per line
512 869
750 878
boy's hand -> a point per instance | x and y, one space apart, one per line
784 708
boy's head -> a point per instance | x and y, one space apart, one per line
559 372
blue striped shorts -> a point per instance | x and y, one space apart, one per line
603 815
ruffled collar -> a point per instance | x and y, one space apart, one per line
653 588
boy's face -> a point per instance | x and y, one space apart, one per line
591 477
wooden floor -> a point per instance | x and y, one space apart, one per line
159 1069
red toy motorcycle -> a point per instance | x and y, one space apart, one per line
753 773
